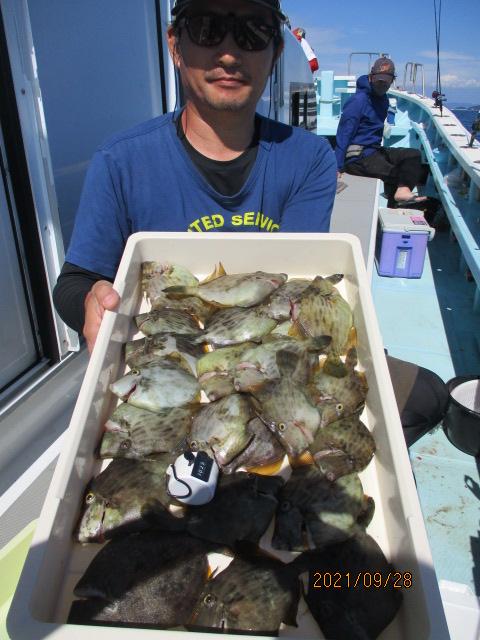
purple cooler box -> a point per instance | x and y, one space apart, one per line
402 236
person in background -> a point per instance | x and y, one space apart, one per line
214 166
359 150
299 33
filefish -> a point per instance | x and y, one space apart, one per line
343 447
145 350
285 409
221 427
263 449
215 370
147 578
237 290
254 595
241 510
124 497
167 321
157 276
364 607
279 305
163 384
259 363
233 326
135 433
321 310
337 389
314 512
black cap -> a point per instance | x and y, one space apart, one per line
274 5
383 69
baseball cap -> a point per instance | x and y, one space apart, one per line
383 69
274 5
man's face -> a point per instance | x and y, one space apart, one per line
380 87
223 77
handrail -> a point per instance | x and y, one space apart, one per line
414 67
377 54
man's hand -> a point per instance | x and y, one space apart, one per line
100 297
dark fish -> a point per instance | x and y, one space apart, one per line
236 290
242 509
125 496
361 609
148 578
279 305
255 594
314 512
135 433
263 449
343 447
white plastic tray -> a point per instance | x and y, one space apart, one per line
55 562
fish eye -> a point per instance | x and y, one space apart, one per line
209 600
282 426
339 407
125 444
135 372
90 497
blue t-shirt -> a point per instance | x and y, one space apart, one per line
144 180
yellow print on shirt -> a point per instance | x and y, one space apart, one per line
248 219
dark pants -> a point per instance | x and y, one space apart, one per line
395 166
421 397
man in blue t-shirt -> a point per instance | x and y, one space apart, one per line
214 166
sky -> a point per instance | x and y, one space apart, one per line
405 30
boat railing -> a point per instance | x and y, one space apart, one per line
370 54
414 68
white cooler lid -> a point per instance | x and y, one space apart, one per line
403 222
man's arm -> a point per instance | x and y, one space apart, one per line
309 208
347 127
81 297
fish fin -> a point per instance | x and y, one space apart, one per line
322 285
352 338
335 278
180 291
368 510
319 344
351 359
333 463
303 459
287 362
333 366
218 272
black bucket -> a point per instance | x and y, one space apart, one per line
462 420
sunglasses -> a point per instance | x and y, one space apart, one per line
209 30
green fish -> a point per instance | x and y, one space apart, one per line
215 370
236 290
167 321
131 432
234 326
145 350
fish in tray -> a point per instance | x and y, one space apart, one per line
146 578
125 496
365 599
321 310
258 364
314 512
131 432
237 290
343 447
337 388
254 595
263 449
163 384
221 427
279 305
145 350
215 370
167 321
284 407
242 509
234 326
